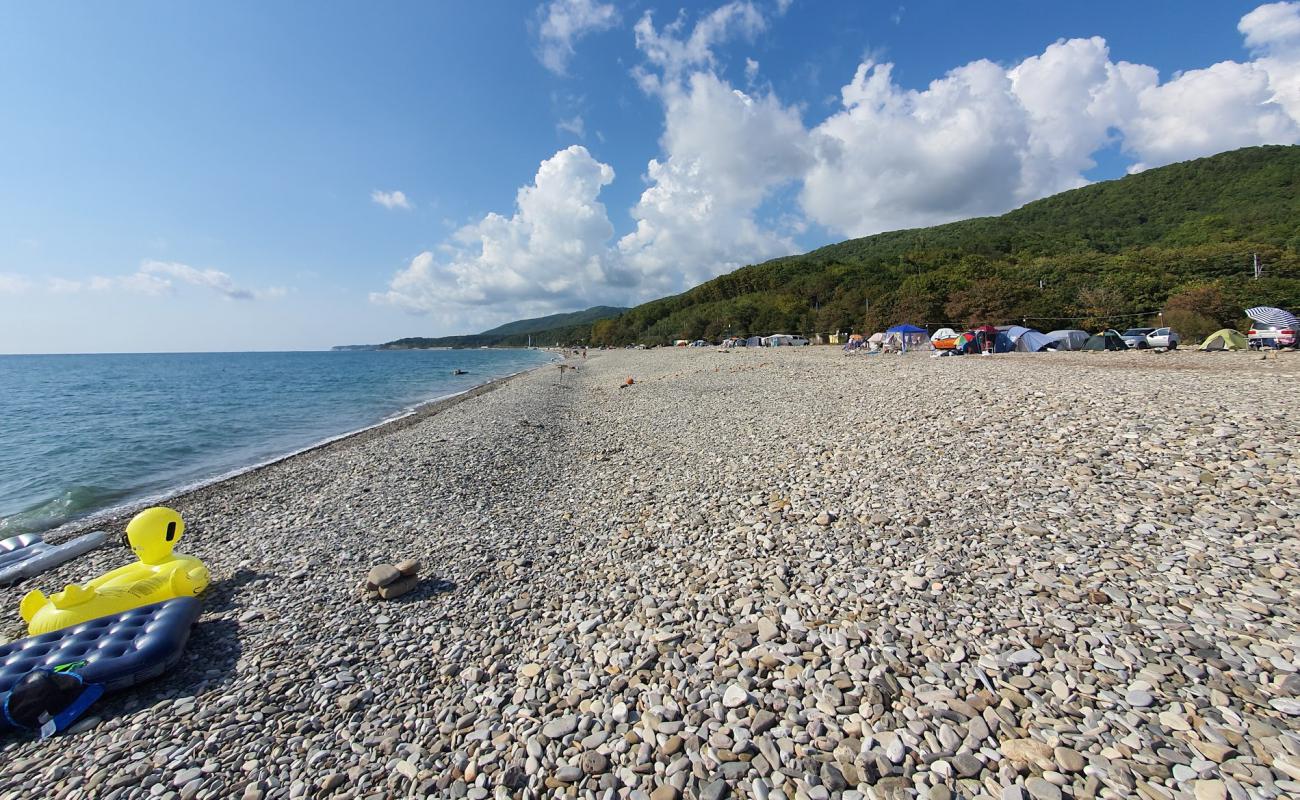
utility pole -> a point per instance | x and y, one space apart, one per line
1258 269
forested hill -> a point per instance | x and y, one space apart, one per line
1180 238
550 323
541 331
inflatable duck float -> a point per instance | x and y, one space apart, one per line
159 575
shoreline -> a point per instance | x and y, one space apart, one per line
119 514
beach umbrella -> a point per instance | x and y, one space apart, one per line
1272 316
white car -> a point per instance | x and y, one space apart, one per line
1262 334
1136 338
1163 339
798 341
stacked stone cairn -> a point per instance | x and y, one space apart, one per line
389 581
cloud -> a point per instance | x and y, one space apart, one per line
390 200
551 253
157 278
564 22
13 284
1274 27
725 153
986 138
674 54
573 126
1204 111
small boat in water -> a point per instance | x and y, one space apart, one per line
459 372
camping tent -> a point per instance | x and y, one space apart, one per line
1032 341
968 343
1106 340
1007 338
1070 339
943 333
1225 339
754 341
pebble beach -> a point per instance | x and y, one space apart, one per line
774 574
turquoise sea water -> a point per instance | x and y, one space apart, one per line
83 433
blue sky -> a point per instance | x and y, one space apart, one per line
224 176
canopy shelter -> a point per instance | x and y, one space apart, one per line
988 330
907 336
1032 341
1106 340
1273 316
1225 339
1069 339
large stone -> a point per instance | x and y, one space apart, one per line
735 696
594 763
967 764
714 790
382 575
763 722
1069 760
1028 751
1210 790
398 588
408 568
560 727
1288 765
1042 789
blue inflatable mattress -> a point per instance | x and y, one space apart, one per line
111 653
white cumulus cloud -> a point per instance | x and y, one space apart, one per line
390 200
986 138
725 152
1272 27
551 253
564 22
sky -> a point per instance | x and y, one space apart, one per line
293 175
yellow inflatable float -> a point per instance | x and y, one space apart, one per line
159 575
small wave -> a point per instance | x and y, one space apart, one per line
70 504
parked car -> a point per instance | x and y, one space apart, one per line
798 341
1262 334
1163 339
1136 338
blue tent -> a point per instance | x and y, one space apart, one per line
905 332
1006 339
1032 341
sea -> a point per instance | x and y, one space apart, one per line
84 435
